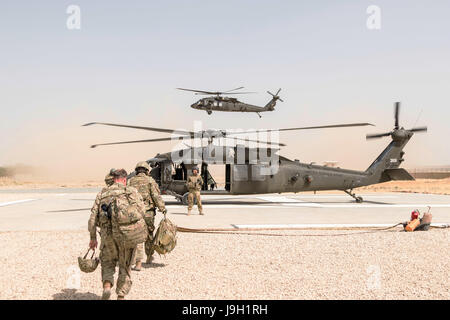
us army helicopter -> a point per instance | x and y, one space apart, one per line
219 103
261 170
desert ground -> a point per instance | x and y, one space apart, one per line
43 231
381 265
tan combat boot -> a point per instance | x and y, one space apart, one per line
106 291
120 297
138 266
149 259
189 212
201 213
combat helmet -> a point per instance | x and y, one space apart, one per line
143 164
109 179
88 265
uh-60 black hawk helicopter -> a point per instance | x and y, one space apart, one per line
253 171
219 103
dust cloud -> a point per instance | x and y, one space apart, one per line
61 152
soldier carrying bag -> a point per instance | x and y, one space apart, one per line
129 227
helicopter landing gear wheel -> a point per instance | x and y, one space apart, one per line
358 199
184 200
208 112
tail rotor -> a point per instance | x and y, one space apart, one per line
276 96
398 131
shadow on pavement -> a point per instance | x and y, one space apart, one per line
72 294
153 265
68 210
179 213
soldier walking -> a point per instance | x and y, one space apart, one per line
149 190
194 184
113 251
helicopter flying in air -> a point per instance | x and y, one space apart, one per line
217 102
251 170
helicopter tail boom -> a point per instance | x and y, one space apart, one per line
386 165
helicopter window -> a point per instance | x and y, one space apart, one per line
240 172
220 104
216 103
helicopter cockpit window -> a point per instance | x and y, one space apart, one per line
240 172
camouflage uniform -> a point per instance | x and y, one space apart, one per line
149 190
112 251
194 185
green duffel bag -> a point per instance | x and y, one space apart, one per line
166 237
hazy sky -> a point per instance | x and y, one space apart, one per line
125 62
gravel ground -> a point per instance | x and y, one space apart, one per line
382 265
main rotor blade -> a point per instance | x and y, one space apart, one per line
219 93
200 91
189 133
418 129
135 141
307 128
234 89
377 135
258 141
396 114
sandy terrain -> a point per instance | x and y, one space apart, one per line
383 265
434 186
12 183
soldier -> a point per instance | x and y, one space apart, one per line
149 190
111 250
95 220
194 184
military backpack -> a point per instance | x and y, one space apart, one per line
129 227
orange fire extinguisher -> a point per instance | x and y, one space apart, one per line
413 224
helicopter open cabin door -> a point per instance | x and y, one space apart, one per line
250 178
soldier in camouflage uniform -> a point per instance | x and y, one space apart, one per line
149 190
194 184
112 252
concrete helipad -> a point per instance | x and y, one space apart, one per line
64 209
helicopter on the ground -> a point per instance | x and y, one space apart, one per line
219 103
262 170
